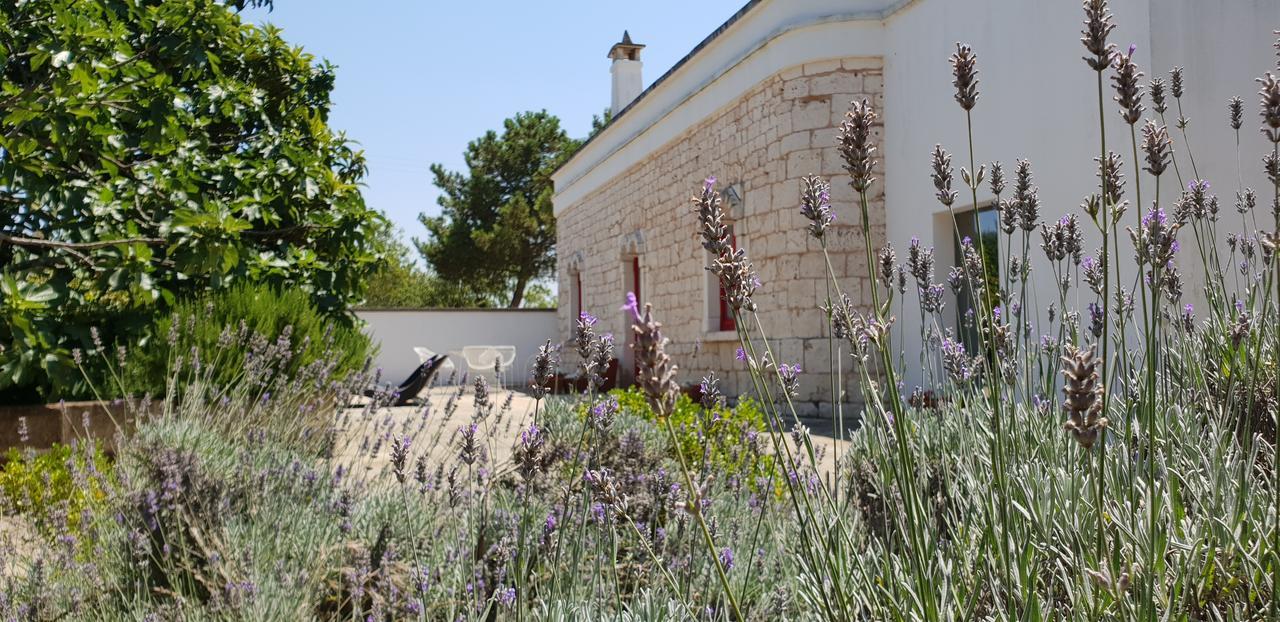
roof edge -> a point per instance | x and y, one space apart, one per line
881 14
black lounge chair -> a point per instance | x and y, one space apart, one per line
420 379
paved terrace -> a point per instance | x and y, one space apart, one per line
435 434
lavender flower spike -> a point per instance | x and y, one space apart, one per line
815 204
655 372
856 145
964 69
789 376
1082 396
1097 26
1128 89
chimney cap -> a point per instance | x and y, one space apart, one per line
625 49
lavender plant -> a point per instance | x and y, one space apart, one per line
1108 455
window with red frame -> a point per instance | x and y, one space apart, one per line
577 295
726 314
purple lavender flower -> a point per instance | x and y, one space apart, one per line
932 298
1096 319
920 262
528 453
632 305
399 456
789 376
955 360
541 372
815 204
470 450
549 525
1154 242
709 389
1128 91
603 414
726 558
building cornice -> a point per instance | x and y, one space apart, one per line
764 38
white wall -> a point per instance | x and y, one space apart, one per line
397 332
1039 101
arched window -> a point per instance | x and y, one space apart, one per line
573 269
723 319
718 314
576 293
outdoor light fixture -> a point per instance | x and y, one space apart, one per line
732 193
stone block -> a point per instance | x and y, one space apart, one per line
839 82
792 89
821 67
801 163
807 115
794 141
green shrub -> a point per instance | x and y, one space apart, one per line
723 439
38 486
231 328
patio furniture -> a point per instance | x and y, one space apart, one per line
506 358
425 354
482 359
418 380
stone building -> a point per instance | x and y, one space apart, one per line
758 103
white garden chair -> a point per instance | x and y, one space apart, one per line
482 359
506 358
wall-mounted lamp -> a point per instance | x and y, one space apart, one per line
737 207
733 192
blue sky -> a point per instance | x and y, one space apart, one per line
418 79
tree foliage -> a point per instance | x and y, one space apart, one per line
496 232
150 150
398 283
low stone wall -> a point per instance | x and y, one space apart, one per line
47 424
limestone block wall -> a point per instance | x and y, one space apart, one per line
775 133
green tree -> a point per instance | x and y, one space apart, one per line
496 232
398 283
151 150
599 122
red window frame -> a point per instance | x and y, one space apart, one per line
635 278
577 293
727 322
635 289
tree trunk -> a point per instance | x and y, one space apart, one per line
517 294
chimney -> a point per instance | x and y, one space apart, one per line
627 83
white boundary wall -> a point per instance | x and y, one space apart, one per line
398 331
